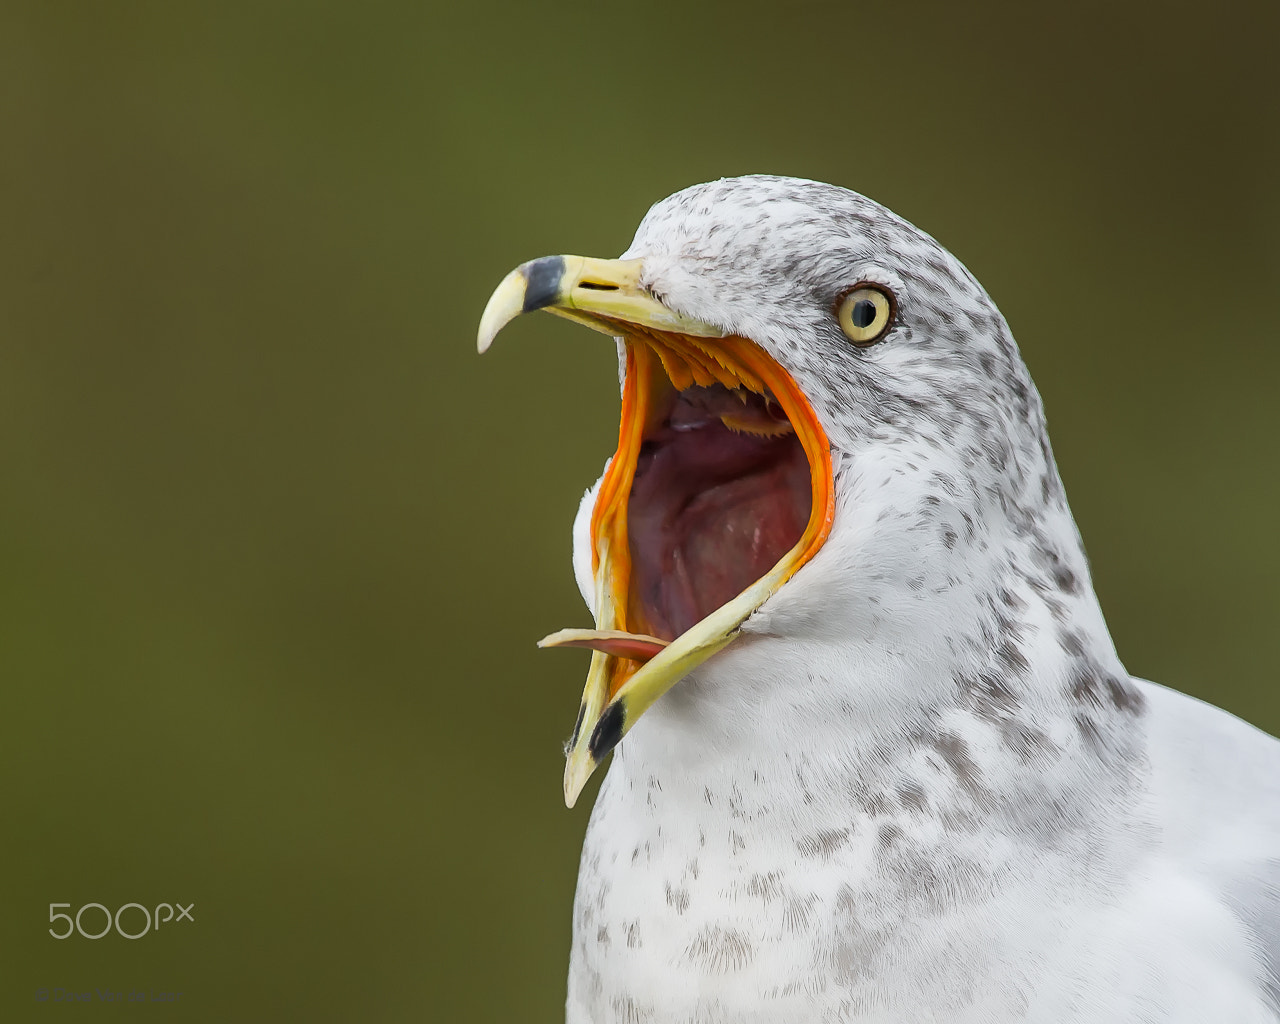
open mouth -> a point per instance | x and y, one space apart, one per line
719 492
711 491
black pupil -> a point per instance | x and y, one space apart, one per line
864 313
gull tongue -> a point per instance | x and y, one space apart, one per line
635 646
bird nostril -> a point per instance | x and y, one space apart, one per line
597 286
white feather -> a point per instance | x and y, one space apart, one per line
920 786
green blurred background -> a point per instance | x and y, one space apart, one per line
276 543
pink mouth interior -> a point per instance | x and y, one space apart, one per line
712 509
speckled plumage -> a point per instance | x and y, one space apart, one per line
921 785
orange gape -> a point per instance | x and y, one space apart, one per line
609 517
812 437
656 362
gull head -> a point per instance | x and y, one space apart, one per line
830 450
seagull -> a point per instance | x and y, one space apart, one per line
875 757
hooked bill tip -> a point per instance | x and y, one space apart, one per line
505 304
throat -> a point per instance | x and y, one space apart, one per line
721 493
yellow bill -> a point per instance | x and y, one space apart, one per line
720 490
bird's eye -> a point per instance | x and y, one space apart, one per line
865 313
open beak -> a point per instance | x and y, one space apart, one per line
670 360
